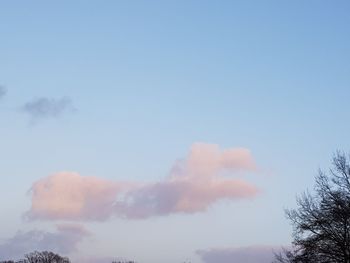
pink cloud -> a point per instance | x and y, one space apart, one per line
69 195
185 195
208 159
193 184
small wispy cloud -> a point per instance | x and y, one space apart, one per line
3 92
44 108
251 254
64 241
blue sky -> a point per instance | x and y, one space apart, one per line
145 81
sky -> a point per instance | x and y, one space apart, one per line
166 131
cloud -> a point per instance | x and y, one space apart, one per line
43 108
193 185
3 92
252 254
64 241
71 196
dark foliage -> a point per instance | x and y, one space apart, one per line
321 223
41 257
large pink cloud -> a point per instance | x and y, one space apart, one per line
68 195
194 183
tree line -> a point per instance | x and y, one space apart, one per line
40 257
47 257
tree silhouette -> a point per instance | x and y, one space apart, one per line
321 223
40 257
45 257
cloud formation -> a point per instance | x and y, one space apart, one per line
65 240
193 185
43 108
71 196
252 254
3 92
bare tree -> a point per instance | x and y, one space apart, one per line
321 223
45 257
